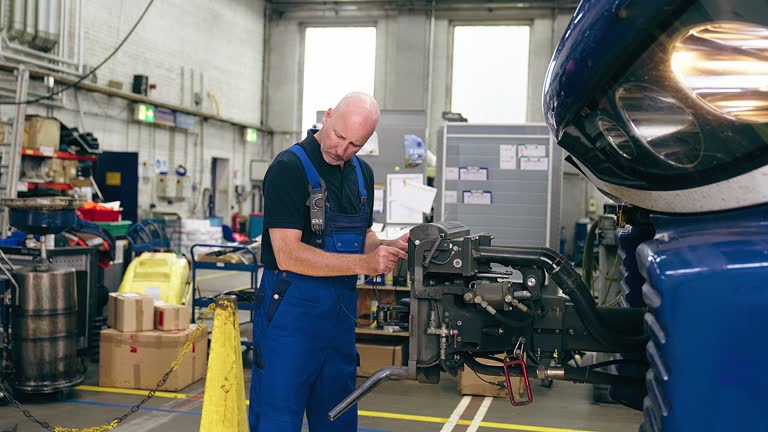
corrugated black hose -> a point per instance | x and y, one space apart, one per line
569 281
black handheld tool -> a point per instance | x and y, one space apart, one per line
316 203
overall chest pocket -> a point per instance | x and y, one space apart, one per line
347 241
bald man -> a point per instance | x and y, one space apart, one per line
318 199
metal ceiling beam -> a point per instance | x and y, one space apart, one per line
292 5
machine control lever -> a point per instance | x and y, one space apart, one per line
388 373
428 256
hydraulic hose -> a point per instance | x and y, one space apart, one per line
569 281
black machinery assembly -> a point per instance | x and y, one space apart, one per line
471 300
39 308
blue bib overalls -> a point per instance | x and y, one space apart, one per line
304 332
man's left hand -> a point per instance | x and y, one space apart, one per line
400 243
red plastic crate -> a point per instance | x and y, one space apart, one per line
97 215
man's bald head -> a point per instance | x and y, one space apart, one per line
361 103
347 127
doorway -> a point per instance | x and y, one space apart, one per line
117 175
221 179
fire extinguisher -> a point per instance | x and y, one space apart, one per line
236 222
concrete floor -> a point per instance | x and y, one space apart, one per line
404 406
393 407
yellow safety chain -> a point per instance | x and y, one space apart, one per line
116 421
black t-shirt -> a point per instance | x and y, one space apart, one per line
286 190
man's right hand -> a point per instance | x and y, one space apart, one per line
383 259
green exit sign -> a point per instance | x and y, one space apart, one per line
145 113
251 135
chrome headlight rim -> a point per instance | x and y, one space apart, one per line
679 79
639 136
626 148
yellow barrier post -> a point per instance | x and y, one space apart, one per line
224 399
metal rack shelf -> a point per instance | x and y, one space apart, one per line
203 302
384 288
377 332
39 152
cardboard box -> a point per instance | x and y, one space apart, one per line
69 170
470 384
172 317
56 170
130 312
377 356
41 132
139 360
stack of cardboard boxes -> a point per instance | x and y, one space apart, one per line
143 341
43 134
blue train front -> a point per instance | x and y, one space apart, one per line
663 105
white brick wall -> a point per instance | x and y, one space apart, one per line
222 39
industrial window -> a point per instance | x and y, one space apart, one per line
490 73
337 60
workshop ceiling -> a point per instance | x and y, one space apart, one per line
417 4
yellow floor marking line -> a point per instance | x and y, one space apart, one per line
493 425
363 413
131 391
480 415
396 416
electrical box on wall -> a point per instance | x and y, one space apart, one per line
162 188
258 170
182 183
171 187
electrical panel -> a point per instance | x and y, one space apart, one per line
182 183
172 187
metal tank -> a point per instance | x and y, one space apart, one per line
45 330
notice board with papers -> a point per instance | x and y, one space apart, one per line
502 179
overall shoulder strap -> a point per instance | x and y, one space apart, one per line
314 178
360 180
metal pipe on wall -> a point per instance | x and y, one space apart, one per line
2 14
79 34
192 87
430 71
265 57
29 22
62 28
40 54
16 19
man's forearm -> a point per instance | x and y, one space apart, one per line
307 260
372 241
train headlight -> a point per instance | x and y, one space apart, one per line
724 65
661 123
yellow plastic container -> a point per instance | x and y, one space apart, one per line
162 275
